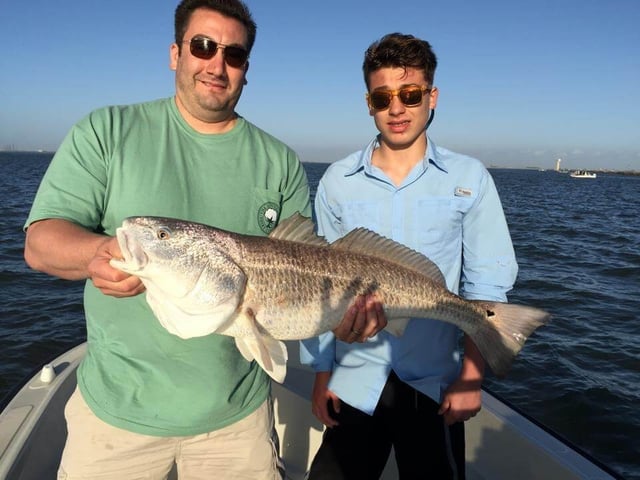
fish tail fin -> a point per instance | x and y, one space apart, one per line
503 336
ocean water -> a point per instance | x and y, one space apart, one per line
577 243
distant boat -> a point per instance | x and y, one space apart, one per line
582 174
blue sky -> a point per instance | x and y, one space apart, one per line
521 83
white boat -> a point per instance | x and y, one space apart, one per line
582 174
501 442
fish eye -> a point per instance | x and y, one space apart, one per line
163 233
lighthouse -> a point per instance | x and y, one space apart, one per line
558 164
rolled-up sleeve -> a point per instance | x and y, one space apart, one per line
489 267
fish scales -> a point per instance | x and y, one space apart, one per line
321 282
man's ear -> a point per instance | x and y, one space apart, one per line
174 52
433 98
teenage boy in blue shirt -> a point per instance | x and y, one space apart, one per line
415 391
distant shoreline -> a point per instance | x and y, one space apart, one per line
599 171
541 169
31 152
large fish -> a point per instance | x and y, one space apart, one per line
293 285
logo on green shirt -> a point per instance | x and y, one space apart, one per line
268 215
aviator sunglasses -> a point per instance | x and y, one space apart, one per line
410 96
206 49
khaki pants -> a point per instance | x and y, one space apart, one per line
95 450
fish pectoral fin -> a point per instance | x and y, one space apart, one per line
397 326
244 349
271 354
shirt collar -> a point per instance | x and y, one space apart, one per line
364 160
434 157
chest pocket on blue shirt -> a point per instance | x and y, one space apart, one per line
360 214
438 224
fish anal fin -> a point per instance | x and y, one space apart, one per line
397 326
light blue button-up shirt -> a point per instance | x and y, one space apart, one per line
446 208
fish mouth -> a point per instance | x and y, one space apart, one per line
133 256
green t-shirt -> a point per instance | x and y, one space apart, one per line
145 159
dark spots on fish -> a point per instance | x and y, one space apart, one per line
327 286
355 284
373 287
358 287
354 288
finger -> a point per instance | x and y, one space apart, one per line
382 318
343 330
322 414
359 324
373 318
335 402
121 294
329 421
128 287
318 414
444 407
449 419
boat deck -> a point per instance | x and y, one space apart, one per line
501 443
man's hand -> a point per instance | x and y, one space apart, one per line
364 319
109 280
461 401
66 250
320 397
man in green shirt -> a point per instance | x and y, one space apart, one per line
146 398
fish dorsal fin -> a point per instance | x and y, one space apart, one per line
367 242
299 229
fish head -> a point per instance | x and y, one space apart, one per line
193 284
159 252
